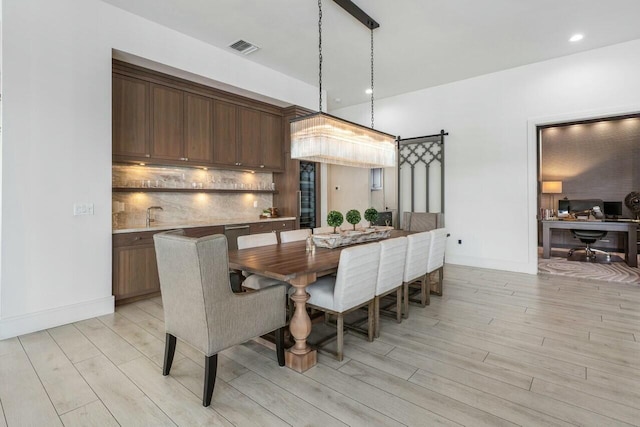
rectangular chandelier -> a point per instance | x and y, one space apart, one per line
323 138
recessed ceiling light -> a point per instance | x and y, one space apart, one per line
576 38
369 91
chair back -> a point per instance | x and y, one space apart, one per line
294 235
415 265
356 277
436 249
391 269
257 240
194 281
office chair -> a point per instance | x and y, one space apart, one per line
589 237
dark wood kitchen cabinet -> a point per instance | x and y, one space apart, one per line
135 273
163 120
130 117
167 123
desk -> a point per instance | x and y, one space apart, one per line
291 263
629 228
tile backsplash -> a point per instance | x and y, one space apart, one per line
129 208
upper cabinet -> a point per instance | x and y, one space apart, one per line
163 120
130 116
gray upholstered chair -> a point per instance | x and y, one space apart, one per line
435 262
201 309
353 286
294 235
390 274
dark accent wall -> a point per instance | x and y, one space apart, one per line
598 160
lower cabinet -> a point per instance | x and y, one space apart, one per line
135 273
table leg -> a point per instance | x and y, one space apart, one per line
301 356
546 241
632 246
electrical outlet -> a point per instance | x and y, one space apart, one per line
337 188
82 209
459 241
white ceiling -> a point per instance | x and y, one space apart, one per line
420 43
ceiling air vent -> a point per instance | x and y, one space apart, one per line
244 47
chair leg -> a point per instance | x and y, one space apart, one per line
376 315
210 368
398 306
280 345
425 290
169 352
340 338
405 288
372 313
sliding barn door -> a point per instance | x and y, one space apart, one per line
421 174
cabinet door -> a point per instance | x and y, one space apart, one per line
167 124
271 141
224 133
130 116
135 271
198 129
249 144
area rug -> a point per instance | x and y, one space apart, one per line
614 271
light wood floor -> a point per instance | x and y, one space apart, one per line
498 349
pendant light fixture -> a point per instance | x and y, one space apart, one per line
324 138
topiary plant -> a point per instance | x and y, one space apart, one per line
353 217
334 219
371 215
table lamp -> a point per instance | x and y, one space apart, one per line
552 187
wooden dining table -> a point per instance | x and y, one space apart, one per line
291 263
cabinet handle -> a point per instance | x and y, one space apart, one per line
261 166
137 238
186 159
147 155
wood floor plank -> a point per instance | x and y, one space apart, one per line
523 407
538 329
139 338
418 355
93 414
622 356
340 406
152 308
438 403
392 406
380 362
73 343
125 401
587 402
24 400
170 396
290 408
116 348
235 406
64 385
10 345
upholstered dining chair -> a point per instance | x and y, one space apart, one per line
294 235
415 267
200 307
435 261
353 286
256 281
390 276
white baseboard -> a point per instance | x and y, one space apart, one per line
516 267
32 322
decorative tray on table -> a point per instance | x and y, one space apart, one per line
351 237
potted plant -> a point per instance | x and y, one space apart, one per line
334 219
371 215
353 217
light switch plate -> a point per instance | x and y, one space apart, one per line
82 209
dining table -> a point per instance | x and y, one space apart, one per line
292 263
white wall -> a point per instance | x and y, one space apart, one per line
56 268
490 193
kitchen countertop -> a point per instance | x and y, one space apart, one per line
210 223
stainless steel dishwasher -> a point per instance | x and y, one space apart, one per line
232 232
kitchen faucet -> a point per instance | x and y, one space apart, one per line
149 219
